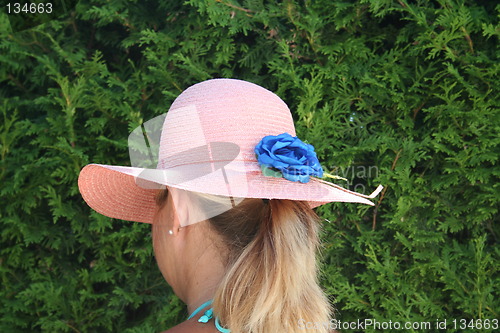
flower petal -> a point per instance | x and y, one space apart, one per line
287 159
266 159
295 177
279 145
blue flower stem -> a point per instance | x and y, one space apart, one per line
325 174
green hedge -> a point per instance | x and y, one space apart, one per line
401 93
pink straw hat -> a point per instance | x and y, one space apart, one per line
207 144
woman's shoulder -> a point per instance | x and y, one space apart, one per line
192 326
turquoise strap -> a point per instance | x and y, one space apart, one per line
201 307
209 315
220 328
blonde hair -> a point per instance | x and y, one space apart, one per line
271 280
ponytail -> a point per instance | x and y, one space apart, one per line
271 284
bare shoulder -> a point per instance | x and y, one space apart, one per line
192 326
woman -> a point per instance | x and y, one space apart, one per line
230 202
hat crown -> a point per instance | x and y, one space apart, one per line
221 110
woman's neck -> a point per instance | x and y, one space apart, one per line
204 273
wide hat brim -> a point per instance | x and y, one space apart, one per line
128 193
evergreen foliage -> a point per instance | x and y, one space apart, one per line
401 93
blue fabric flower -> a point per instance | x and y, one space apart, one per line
287 156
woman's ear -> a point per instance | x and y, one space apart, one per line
180 204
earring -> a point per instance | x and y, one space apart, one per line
170 232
